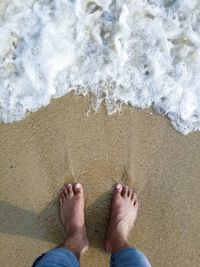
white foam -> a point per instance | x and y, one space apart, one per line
141 52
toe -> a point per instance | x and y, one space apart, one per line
130 192
78 189
62 197
70 190
61 201
65 192
136 203
133 196
125 191
118 189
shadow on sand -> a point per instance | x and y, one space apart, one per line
47 226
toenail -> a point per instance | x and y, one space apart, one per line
118 186
78 186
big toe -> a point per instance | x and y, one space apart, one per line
78 189
118 190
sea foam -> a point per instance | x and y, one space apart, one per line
138 52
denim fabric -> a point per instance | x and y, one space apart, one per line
129 257
57 257
61 257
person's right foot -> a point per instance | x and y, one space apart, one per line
123 216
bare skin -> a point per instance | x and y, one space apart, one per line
123 216
72 216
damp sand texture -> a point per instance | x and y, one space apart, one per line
61 144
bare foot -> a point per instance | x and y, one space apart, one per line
123 216
72 217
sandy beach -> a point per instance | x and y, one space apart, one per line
63 143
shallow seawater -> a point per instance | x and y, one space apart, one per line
139 52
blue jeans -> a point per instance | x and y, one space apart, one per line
61 257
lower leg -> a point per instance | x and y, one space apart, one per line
123 216
72 217
57 257
129 257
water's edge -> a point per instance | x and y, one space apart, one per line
145 53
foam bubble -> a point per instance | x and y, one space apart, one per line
142 52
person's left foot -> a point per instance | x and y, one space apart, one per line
72 217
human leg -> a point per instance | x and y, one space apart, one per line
72 216
129 257
57 257
123 216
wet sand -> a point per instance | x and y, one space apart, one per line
61 143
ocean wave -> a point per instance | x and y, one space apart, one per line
142 52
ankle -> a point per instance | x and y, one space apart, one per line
73 244
116 243
76 232
118 246
76 242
